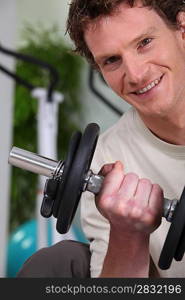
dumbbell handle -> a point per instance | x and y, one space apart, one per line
50 168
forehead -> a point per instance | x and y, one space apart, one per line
126 24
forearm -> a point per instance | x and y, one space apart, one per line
127 256
133 208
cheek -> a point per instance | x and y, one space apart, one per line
114 81
178 74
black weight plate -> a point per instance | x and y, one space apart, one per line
72 149
50 191
174 235
75 181
181 246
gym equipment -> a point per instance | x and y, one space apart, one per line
22 243
48 100
69 178
98 93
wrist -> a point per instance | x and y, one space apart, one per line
133 237
125 251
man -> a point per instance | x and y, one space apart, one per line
139 47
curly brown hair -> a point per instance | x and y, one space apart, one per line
82 12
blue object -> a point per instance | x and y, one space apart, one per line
23 243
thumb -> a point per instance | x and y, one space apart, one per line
113 177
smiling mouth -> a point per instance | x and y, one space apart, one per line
148 87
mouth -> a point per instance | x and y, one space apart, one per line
148 87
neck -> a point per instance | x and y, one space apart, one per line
168 129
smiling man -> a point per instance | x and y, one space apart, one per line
139 47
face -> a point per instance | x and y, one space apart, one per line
141 59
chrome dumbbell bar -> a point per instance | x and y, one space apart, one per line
50 168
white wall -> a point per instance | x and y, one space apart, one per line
46 12
7 33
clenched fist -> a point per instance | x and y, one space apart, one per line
129 203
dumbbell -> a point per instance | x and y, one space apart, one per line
67 179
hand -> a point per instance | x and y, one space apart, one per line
130 204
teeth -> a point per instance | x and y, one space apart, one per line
148 87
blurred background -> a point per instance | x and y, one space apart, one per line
77 95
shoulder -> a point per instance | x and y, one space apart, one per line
120 128
112 142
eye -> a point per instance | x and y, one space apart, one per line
145 42
111 60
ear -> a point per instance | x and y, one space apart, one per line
181 22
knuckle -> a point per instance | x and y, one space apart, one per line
103 169
104 202
136 213
151 218
145 181
131 176
156 187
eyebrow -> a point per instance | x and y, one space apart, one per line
149 31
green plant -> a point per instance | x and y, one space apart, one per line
47 45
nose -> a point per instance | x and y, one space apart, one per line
136 70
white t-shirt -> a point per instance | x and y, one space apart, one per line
141 152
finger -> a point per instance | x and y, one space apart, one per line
106 169
128 186
143 191
156 199
113 179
